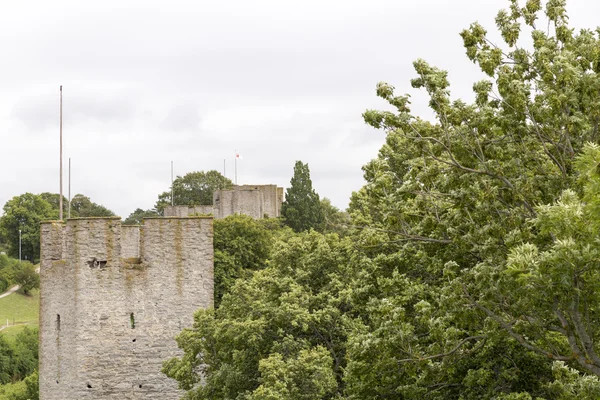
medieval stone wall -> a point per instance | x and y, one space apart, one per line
184 211
108 318
130 241
258 201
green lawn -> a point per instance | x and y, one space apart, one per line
12 331
19 308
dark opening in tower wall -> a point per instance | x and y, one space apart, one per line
95 263
132 322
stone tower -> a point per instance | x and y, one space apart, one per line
113 298
257 201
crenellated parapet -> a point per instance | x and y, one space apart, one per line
112 299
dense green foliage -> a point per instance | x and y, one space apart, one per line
192 189
27 389
82 207
18 359
8 269
242 245
284 315
25 212
471 267
334 220
301 209
27 277
136 217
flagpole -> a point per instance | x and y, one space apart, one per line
60 216
69 213
172 199
236 167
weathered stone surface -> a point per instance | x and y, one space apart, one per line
184 211
108 319
257 201
130 241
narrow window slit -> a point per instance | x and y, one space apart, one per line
131 321
58 322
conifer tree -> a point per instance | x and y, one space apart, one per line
302 206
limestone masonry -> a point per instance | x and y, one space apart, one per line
257 201
112 300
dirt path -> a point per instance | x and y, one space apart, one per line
10 291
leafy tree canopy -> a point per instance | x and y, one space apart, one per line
136 217
82 206
27 277
242 245
334 220
25 212
194 188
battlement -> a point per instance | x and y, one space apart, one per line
112 299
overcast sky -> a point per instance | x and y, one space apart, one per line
147 82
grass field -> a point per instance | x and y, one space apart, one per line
12 331
18 308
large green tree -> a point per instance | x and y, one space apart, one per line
452 205
82 206
242 245
136 217
192 189
27 277
25 212
279 334
301 209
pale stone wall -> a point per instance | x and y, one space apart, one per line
279 200
184 211
130 241
119 315
257 201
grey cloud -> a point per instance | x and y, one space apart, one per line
183 117
40 112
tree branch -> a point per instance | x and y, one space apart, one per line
442 355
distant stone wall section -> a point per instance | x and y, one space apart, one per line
257 201
184 211
108 318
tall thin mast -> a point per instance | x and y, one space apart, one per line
60 213
69 212
172 199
